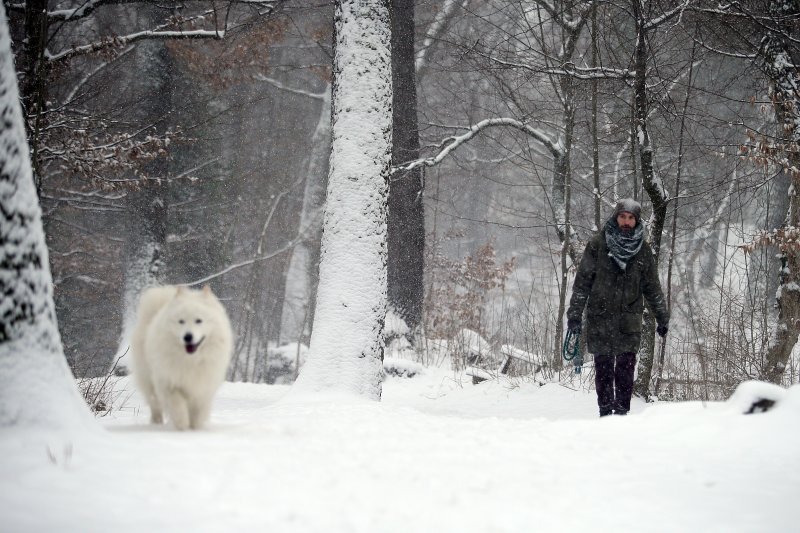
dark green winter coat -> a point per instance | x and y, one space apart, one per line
614 299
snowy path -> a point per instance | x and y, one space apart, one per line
433 456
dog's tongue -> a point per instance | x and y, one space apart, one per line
191 348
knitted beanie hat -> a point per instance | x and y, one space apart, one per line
629 205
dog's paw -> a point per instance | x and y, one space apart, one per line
180 424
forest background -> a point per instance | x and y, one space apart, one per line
188 142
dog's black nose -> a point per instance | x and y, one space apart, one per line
187 338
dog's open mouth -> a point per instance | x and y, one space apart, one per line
192 347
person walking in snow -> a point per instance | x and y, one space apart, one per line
616 274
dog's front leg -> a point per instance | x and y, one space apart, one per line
178 409
156 416
199 411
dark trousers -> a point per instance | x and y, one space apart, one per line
613 379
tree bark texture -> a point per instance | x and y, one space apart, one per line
406 222
34 66
36 386
346 352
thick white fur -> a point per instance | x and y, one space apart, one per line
182 384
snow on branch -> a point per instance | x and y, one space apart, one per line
676 11
84 10
288 246
566 69
449 144
89 6
85 79
279 85
719 51
591 73
122 40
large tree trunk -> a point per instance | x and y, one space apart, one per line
36 386
406 211
780 69
346 350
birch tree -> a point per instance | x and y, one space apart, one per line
346 351
36 386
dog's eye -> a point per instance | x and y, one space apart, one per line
198 321
181 321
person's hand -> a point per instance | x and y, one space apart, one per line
574 324
662 330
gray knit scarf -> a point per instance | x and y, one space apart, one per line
622 247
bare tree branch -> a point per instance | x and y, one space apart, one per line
451 143
89 6
123 40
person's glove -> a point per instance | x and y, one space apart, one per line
662 330
574 324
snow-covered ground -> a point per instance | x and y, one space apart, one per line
435 455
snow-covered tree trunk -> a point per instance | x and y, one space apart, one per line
36 386
346 351
782 72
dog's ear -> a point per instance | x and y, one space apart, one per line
207 290
181 290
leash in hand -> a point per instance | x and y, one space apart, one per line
572 349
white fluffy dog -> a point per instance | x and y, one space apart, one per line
181 346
